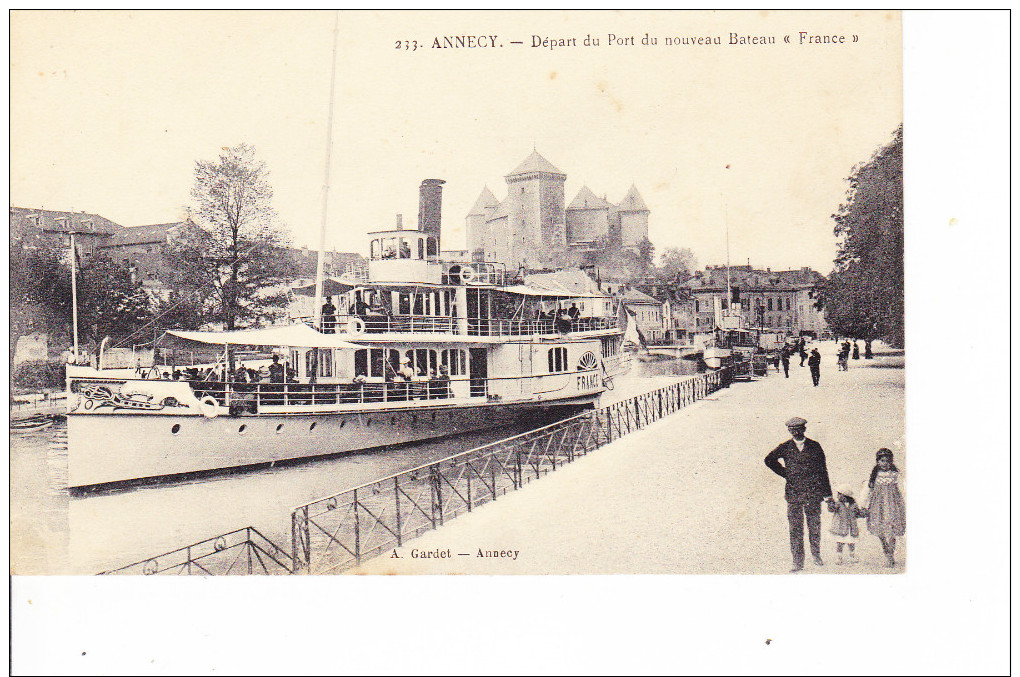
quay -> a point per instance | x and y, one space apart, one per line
689 493
45 404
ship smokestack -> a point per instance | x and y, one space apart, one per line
430 206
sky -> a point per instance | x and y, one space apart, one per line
111 110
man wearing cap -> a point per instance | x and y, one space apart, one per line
802 462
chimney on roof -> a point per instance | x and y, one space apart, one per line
400 221
430 208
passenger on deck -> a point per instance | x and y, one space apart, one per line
442 384
360 308
328 316
276 370
563 322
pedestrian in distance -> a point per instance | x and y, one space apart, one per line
815 364
857 351
801 461
887 516
846 512
868 355
784 357
802 350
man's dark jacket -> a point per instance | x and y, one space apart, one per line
807 478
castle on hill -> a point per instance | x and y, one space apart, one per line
532 228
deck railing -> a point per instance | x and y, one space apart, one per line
442 324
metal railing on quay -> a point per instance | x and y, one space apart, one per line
242 552
337 532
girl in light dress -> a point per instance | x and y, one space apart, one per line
887 517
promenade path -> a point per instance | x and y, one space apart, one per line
690 493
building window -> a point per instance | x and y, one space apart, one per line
557 360
770 304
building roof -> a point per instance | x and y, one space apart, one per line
587 200
485 201
535 163
59 221
747 278
568 280
632 202
155 233
635 296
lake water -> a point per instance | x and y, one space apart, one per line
53 532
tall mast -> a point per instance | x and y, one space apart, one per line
319 267
729 293
74 295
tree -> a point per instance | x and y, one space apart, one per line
863 296
646 254
677 264
110 302
237 258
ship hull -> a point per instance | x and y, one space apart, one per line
117 449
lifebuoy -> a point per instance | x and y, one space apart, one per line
467 275
209 406
355 326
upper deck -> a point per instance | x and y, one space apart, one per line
407 289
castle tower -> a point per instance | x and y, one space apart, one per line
633 219
476 222
587 218
537 218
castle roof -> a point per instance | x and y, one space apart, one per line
485 201
633 202
588 200
502 211
535 163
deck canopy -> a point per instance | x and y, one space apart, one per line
294 335
331 286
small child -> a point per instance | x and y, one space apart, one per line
844 522
887 517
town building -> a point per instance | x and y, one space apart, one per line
780 301
677 308
334 263
534 228
91 231
648 313
144 249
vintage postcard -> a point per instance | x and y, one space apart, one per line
497 293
